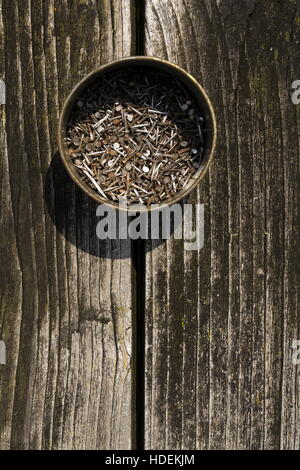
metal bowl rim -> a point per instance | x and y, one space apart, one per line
148 60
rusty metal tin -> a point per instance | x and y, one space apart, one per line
191 85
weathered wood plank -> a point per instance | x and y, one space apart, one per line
220 322
65 297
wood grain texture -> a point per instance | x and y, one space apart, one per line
65 298
220 322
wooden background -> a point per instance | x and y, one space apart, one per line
219 323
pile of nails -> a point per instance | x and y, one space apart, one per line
136 134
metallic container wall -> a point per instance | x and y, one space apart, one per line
191 85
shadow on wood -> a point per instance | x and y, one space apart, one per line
74 215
